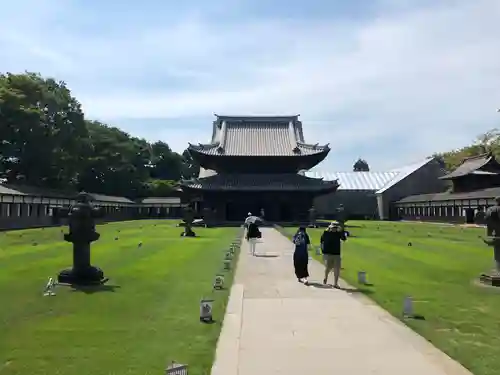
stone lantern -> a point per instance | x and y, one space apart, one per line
176 369
81 234
188 222
492 218
313 214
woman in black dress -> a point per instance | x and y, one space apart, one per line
301 256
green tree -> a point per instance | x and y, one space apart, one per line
116 164
160 188
165 164
41 128
191 168
487 142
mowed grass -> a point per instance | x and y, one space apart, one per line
148 315
439 271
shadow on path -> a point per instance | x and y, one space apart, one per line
266 255
348 290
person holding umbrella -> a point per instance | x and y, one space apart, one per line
253 232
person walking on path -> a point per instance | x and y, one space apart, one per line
330 245
301 256
253 233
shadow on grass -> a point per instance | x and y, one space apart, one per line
415 317
208 322
91 289
358 290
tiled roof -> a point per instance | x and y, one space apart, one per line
404 172
110 198
490 193
258 136
161 200
206 172
472 165
375 181
261 182
356 180
48 193
8 189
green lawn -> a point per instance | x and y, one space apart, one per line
439 272
151 317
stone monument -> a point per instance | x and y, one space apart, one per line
492 218
208 217
341 215
188 222
81 234
313 214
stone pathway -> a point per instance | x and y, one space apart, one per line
275 325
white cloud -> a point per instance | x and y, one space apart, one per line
427 79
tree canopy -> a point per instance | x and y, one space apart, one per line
487 142
46 141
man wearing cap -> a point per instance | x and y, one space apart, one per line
330 245
492 217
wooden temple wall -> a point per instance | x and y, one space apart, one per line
458 211
22 211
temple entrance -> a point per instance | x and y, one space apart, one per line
238 209
283 207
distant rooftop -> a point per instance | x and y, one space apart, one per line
480 164
372 181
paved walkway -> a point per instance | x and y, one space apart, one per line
275 325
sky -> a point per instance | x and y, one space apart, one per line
390 81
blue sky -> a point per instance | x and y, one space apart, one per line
390 81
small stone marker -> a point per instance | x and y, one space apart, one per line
176 369
318 250
227 265
362 277
206 310
408 307
219 282
228 256
49 288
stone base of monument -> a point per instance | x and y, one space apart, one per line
188 234
90 276
490 279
